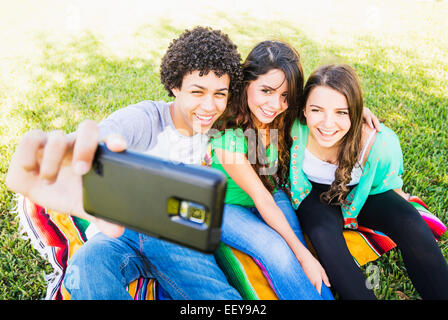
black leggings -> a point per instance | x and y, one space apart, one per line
389 213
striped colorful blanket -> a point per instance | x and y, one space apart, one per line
57 237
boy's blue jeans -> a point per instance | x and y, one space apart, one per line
244 229
104 266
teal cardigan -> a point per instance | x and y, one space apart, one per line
382 171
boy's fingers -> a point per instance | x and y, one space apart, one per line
86 143
109 228
27 152
53 155
376 123
115 143
25 161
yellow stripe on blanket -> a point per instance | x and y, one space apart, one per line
65 224
360 249
68 228
133 289
358 246
255 276
65 294
149 292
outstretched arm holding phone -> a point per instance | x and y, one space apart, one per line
47 168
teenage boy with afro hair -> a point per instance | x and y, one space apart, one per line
200 69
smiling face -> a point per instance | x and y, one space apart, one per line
327 117
267 96
199 102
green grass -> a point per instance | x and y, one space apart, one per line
58 78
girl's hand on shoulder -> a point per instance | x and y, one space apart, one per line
371 120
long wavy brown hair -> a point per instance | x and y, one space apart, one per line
265 56
343 79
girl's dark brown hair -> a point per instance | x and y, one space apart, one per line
266 56
343 79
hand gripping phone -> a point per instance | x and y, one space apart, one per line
176 202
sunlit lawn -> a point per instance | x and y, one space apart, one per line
96 58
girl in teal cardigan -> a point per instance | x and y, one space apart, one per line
344 174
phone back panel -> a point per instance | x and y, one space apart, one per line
145 193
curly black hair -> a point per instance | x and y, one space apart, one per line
201 49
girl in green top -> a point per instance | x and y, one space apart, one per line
344 174
253 151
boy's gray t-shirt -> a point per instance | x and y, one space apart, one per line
148 127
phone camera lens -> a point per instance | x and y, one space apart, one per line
192 211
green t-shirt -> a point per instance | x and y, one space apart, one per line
233 140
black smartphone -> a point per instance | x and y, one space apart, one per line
173 201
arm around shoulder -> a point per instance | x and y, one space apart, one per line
389 157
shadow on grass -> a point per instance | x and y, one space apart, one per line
80 80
